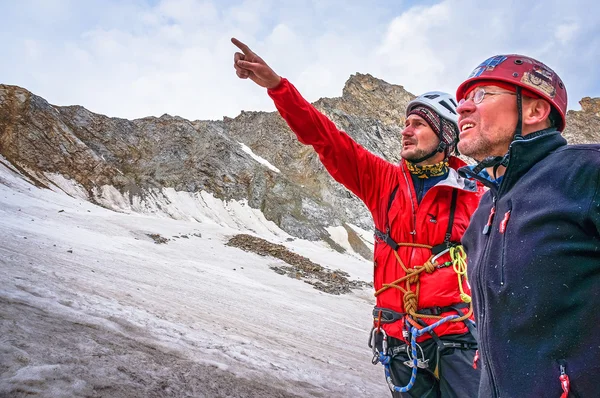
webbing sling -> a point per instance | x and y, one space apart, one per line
446 245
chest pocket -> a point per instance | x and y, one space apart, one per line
384 236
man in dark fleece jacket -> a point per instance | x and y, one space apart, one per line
534 242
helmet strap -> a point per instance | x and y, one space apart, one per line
497 161
440 148
519 128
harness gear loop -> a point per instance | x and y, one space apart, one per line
459 264
385 359
421 363
378 343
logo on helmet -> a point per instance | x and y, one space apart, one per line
487 65
540 79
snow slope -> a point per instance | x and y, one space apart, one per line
91 306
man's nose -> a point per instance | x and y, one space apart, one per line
466 107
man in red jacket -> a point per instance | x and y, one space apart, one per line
421 209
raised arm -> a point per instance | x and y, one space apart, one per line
348 162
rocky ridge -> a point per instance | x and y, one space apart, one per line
143 156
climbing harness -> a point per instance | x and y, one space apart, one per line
414 362
413 316
378 338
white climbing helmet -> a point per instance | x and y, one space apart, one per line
445 120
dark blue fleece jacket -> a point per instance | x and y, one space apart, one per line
535 271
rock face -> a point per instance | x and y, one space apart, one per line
294 191
583 127
333 282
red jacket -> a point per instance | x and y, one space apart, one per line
373 179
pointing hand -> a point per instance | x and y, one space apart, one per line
249 65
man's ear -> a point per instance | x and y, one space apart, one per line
536 111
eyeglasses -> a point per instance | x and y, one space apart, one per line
479 94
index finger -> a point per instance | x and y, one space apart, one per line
245 49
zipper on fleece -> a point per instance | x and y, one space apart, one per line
488 226
502 230
504 221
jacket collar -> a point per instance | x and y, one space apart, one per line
523 154
453 178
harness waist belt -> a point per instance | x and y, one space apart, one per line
401 348
437 249
441 310
391 316
387 315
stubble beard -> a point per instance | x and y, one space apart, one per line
475 149
481 147
416 153
413 155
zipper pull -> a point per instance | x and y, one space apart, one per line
504 222
475 359
488 226
564 382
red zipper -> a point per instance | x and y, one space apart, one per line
504 222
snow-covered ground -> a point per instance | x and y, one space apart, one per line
91 306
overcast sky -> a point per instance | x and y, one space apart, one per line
136 58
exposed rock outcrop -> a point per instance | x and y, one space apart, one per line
291 188
583 127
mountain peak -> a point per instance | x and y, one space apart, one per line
590 105
358 84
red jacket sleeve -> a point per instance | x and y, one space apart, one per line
348 162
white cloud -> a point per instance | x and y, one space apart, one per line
131 59
435 47
415 47
32 49
566 32
188 11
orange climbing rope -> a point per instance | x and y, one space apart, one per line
411 298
